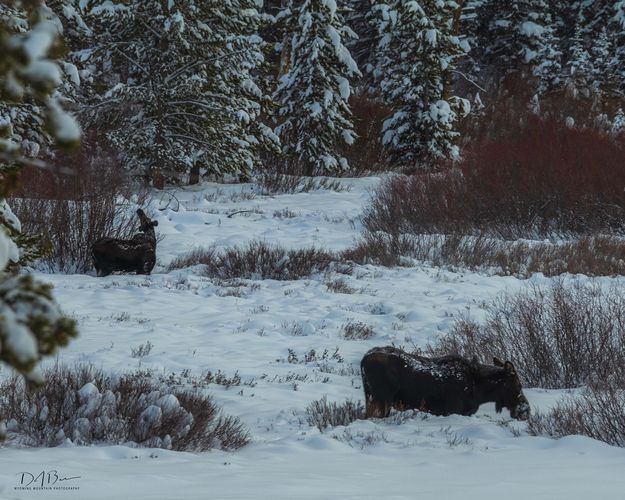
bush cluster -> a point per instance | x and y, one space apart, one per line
542 179
88 406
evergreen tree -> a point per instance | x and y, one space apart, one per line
578 78
313 94
602 70
618 124
417 53
516 37
617 25
180 95
31 325
361 20
592 17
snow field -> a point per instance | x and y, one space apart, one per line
263 330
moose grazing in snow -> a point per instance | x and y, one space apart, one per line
136 254
441 386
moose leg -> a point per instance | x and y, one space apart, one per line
148 266
386 409
372 407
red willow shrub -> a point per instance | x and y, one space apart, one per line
71 211
540 180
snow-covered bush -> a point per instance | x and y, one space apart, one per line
88 406
322 414
562 336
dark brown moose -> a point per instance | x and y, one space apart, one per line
137 254
393 378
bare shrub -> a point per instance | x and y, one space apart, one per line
540 179
590 255
322 414
220 378
285 213
453 439
272 182
194 257
356 330
73 211
256 260
142 350
339 286
260 260
598 412
361 439
379 248
562 336
88 406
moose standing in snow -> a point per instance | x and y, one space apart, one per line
393 378
136 254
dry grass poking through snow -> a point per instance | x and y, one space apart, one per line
91 407
357 330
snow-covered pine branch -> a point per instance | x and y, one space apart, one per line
31 324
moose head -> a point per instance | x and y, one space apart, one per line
510 392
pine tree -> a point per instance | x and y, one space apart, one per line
517 37
592 17
31 324
313 94
618 123
617 26
181 96
361 20
578 78
417 52
603 71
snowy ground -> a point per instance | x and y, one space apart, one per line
198 324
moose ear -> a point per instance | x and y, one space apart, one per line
509 368
155 223
140 212
497 362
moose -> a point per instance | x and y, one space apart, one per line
136 254
393 378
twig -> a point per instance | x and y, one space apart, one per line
239 212
468 79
